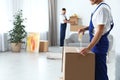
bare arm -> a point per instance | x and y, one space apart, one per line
83 29
86 27
96 37
66 21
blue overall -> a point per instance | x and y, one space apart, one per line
100 50
62 33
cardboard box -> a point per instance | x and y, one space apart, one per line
43 46
76 66
75 28
73 20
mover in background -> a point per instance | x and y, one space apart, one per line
101 24
63 26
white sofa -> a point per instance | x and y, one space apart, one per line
117 67
73 40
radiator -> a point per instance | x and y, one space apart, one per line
3 42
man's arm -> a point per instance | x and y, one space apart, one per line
66 21
86 27
94 41
96 37
83 29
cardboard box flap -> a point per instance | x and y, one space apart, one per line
73 50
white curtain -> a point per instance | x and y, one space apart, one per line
5 15
36 12
5 22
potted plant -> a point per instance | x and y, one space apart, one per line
18 33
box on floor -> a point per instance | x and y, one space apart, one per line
43 46
77 67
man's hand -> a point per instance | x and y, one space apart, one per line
82 30
66 21
84 51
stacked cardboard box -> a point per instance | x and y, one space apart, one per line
73 20
75 27
75 23
78 67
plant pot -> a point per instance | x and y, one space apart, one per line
16 47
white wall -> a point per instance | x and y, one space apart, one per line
80 7
116 16
83 8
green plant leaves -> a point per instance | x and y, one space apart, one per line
18 33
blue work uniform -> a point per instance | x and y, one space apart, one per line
62 32
100 50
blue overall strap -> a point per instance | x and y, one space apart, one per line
111 27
